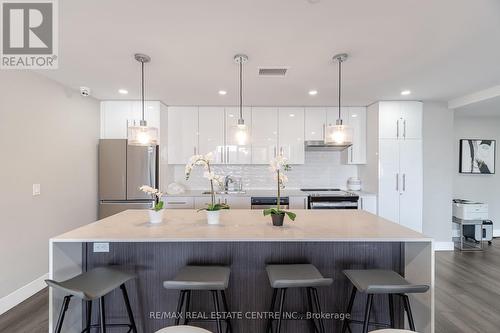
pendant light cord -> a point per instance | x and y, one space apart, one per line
142 88
241 88
340 84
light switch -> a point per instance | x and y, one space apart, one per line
36 189
101 247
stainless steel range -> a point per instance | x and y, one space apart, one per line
331 198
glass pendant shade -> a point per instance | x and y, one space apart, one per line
142 135
338 134
241 133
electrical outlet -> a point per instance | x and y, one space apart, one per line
36 189
101 247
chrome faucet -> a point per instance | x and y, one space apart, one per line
228 180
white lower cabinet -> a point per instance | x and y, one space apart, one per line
368 203
298 202
178 202
234 202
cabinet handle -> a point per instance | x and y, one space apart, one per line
404 182
194 150
397 128
281 151
275 151
176 203
227 154
352 152
397 182
361 202
324 125
222 155
404 128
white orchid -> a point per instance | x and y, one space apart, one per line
278 166
155 194
204 160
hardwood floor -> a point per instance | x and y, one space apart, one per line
31 316
467 296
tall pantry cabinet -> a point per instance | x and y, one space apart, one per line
394 161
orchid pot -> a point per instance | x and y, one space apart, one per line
213 216
155 216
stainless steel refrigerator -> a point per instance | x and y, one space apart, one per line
122 170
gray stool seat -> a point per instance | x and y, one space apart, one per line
93 284
296 276
182 329
391 330
200 278
379 281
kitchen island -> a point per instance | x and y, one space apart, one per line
332 240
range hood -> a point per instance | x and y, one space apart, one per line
320 145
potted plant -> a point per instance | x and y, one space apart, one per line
213 209
156 211
278 167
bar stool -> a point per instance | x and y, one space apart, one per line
205 278
282 277
378 281
182 329
93 285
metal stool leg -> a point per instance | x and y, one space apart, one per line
89 316
311 308
229 327
345 324
367 312
129 308
188 306
216 305
282 301
318 308
180 302
102 315
391 309
407 306
271 310
64 308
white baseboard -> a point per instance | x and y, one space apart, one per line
443 246
23 293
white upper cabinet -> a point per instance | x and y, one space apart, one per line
211 132
411 115
264 134
182 134
234 153
291 134
400 120
116 116
315 120
356 119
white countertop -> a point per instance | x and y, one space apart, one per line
258 193
243 225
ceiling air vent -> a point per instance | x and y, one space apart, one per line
273 71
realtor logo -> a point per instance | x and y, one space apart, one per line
29 34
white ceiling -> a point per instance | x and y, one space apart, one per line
485 108
437 49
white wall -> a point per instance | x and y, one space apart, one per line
438 153
48 135
321 169
483 188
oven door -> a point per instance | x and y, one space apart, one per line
334 205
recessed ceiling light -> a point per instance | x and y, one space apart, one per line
313 92
222 92
292 115
123 91
405 92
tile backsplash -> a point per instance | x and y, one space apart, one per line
321 169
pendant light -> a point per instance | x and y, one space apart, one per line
339 134
241 130
142 135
